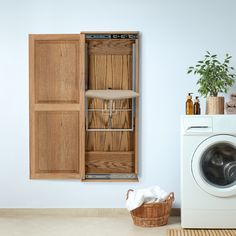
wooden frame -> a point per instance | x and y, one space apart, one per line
82 103
52 108
136 110
97 160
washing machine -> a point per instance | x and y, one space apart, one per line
208 171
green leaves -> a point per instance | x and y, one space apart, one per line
215 76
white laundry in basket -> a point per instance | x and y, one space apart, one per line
147 195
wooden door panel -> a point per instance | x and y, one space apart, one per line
56 71
57 142
56 89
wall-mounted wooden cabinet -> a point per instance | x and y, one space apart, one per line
84 106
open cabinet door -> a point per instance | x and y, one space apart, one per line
56 106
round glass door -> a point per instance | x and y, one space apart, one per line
218 164
214 165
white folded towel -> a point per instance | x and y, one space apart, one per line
147 195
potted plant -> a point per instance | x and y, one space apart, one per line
215 77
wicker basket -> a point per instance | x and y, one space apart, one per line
152 214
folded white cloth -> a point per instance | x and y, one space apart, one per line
147 195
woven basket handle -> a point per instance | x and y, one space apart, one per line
127 194
171 196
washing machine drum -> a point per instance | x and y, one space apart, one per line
214 165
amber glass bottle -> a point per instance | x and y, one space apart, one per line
196 107
189 105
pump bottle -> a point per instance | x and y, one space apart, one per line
189 105
196 107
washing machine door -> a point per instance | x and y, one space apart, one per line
214 165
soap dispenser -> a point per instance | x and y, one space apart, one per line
189 105
196 107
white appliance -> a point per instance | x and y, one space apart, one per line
208 171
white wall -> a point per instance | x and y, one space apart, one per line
174 35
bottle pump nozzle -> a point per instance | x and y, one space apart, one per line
189 96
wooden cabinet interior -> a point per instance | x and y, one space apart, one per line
110 148
76 136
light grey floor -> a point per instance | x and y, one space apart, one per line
46 225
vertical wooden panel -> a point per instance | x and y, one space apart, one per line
57 142
115 72
82 56
56 71
32 105
109 72
136 123
55 85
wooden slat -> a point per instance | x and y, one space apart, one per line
136 123
31 106
109 162
53 175
201 232
83 72
49 37
110 141
111 47
57 107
